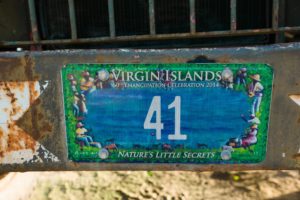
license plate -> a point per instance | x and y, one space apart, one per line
167 113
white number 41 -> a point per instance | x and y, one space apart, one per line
158 126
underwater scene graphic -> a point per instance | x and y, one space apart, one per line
167 113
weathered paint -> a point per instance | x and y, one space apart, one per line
16 146
44 120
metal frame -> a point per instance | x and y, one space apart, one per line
44 121
276 29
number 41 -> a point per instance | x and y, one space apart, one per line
158 126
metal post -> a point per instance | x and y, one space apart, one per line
152 17
192 17
72 19
279 37
33 21
233 15
275 14
111 13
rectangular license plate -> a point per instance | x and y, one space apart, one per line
167 113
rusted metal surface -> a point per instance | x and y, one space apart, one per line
33 129
21 123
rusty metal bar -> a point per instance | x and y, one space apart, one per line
275 14
281 19
33 21
152 17
279 37
233 15
72 19
154 37
192 17
43 123
111 13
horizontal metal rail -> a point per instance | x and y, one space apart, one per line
275 29
153 37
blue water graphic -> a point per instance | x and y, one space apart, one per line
209 116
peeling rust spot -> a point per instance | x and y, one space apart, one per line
37 102
33 94
224 59
47 127
296 156
40 116
106 59
38 127
18 93
172 59
18 140
13 100
75 164
12 69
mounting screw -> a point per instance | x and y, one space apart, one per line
226 155
103 153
